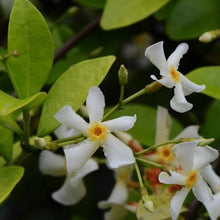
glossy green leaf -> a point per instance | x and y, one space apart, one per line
29 34
122 13
9 177
210 129
9 104
72 89
189 19
209 76
6 143
144 129
9 122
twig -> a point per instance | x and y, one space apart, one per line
76 39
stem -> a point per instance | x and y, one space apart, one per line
150 88
26 122
76 39
71 142
158 145
67 139
139 175
122 91
147 162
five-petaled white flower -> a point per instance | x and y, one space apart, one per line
171 77
119 195
98 133
192 159
73 188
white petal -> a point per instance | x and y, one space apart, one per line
211 178
163 125
123 123
190 87
189 132
117 212
203 156
64 132
155 54
173 178
177 202
68 195
118 196
213 207
175 57
117 153
68 117
179 102
90 166
78 154
52 164
201 190
165 81
95 104
184 153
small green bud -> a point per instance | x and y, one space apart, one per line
123 75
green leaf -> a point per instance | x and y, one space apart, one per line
72 89
122 13
9 104
29 34
144 129
6 143
210 129
189 19
9 122
9 177
209 76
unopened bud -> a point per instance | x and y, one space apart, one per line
125 137
148 203
205 142
72 10
209 36
206 37
40 142
123 75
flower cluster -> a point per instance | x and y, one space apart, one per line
186 164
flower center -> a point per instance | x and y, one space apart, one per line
165 154
97 132
174 74
191 179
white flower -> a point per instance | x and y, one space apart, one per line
97 133
164 153
214 182
192 159
119 195
73 189
171 77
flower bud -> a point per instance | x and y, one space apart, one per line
123 75
206 37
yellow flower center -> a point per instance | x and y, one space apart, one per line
191 179
174 74
165 154
97 132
